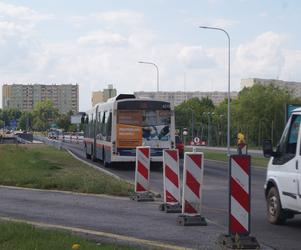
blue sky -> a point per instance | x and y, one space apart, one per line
95 43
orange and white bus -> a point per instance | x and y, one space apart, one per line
114 129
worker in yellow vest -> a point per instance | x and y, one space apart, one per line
240 138
241 144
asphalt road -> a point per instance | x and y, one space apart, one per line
215 201
144 220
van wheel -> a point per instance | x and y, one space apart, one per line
275 213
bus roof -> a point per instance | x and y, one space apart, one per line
121 97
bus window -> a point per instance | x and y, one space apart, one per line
98 126
109 127
103 124
130 117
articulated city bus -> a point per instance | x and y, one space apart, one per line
114 129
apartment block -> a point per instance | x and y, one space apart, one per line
293 87
104 95
176 98
65 97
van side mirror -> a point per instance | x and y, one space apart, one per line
267 148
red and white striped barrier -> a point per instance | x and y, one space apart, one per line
192 189
238 236
192 184
171 182
171 177
142 174
240 194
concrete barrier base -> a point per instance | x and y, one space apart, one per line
143 196
238 242
191 220
171 208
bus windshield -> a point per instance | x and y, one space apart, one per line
149 127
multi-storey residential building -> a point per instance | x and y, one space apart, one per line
294 87
24 97
103 96
176 98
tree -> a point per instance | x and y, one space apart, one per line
25 121
259 112
64 121
44 114
191 114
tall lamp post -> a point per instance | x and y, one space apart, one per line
228 129
151 63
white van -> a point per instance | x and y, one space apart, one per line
283 182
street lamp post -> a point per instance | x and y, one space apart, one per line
228 129
151 63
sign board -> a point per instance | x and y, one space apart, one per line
197 140
13 124
76 119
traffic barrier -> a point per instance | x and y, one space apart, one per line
171 182
192 190
240 205
142 175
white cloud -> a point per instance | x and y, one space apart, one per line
216 22
262 57
119 16
194 57
264 14
291 69
103 38
21 13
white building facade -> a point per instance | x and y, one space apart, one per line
177 97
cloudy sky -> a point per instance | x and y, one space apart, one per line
99 42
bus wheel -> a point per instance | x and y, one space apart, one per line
87 155
94 158
105 163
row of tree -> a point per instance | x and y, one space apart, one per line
41 118
258 112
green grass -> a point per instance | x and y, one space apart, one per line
44 167
222 156
19 236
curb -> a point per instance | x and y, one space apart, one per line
113 237
98 168
67 192
157 195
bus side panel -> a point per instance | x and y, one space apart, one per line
98 152
108 153
89 147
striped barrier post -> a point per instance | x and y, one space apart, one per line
171 182
239 222
192 190
142 175
240 205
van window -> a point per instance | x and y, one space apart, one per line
287 146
